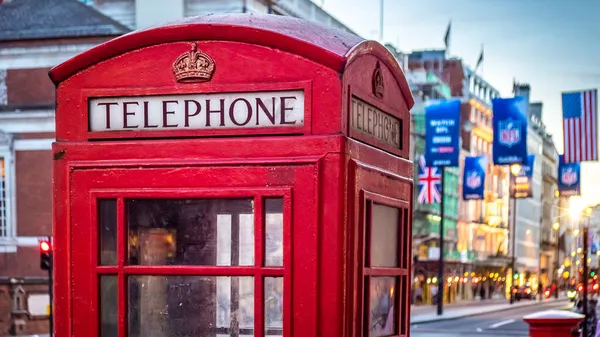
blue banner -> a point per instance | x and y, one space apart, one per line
521 185
442 131
510 130
474 177
569 178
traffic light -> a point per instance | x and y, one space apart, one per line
45 255
592 273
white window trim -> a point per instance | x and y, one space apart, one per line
8 243
33 144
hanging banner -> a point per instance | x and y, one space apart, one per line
521 186
442 131
568 178
474 177
510 130
430 181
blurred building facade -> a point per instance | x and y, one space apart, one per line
537 240
476 245
36 35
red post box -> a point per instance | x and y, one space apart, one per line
232 175
553 323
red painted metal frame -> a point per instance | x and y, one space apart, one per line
377 184
324 170
306 86
258 271
399 273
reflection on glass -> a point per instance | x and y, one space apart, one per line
274 232
108 306
384 236
382 296
191 306
204 232
107 228
245 238
274 306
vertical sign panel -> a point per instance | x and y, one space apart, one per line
568 178
510 131
521 186
442 127
474 177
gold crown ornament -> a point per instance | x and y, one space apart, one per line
378 81
194 66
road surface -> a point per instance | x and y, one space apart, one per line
505 323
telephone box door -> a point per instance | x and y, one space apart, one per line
383 257
191 251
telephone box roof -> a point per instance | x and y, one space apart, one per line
328 46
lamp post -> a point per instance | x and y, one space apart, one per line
556 227
586 226
440 297
514 170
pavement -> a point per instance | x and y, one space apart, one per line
427 314
506 322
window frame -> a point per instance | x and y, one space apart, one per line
259 271
400 273
8 243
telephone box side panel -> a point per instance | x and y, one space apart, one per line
375 175
61 234
238 69
376 103
332 245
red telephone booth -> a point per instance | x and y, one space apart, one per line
232 175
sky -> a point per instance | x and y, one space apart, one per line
554 45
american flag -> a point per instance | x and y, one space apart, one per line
580 114
429 183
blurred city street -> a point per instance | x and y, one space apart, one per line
497 323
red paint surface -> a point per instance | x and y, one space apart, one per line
326 177
553 326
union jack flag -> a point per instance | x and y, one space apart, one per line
580 114
429 183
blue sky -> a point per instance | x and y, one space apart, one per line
554 45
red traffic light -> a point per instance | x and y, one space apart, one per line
45 246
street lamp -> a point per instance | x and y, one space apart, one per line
556 227
587 212
515 169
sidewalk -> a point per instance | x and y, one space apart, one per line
426 308
428 314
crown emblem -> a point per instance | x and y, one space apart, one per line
194 66
378 82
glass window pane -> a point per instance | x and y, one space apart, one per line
204 232
274 232
191 306
274 306
384 236
382 297
108 306
107 226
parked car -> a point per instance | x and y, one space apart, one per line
524 292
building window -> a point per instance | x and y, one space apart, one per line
4 229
